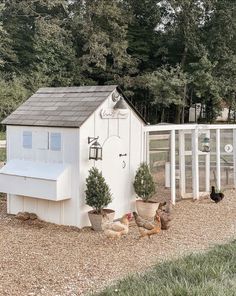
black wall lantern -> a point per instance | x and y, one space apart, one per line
206 145
95 150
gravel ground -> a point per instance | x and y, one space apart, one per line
38 258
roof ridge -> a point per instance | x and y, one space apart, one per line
81 89
73 92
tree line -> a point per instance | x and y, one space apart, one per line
165 54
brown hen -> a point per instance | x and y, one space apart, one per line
147 228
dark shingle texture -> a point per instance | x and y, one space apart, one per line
60 107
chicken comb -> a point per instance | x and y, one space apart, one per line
129 215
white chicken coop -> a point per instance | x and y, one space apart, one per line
49 154
58 134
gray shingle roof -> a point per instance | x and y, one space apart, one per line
60 106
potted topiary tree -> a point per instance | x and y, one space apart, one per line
144 187
98 196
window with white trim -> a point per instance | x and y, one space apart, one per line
55 141
27 140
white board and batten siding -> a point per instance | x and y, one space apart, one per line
116 136
61 212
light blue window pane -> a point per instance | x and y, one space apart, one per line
55 141
27 140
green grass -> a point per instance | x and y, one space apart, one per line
209 274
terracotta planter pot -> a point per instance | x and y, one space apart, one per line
146 209
96 219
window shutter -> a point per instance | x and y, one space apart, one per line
55 141
27 140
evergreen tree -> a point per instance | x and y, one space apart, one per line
40 40
144 185
206 87
103 33
168 85
12 94
142 32
7 55
98 194
220 38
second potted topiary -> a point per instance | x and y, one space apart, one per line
144 187
98 196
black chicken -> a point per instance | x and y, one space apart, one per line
216 197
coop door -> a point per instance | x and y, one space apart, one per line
194 162
115 170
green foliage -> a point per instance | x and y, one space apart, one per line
144 185
167 85
206 86
166 55
141 32
2 135
3 156
12 94
41 40
103 34
98 194
7 55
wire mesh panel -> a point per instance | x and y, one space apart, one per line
159 158
204 159
202 173
177 163
188 162
213 158
226 158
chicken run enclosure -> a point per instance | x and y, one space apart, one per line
186 160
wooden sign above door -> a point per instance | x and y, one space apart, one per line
109 113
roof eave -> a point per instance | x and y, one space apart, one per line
35 125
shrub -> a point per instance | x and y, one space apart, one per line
144 185
12 94
98 194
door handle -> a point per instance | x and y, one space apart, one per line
125 154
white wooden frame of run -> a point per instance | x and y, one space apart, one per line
195 129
